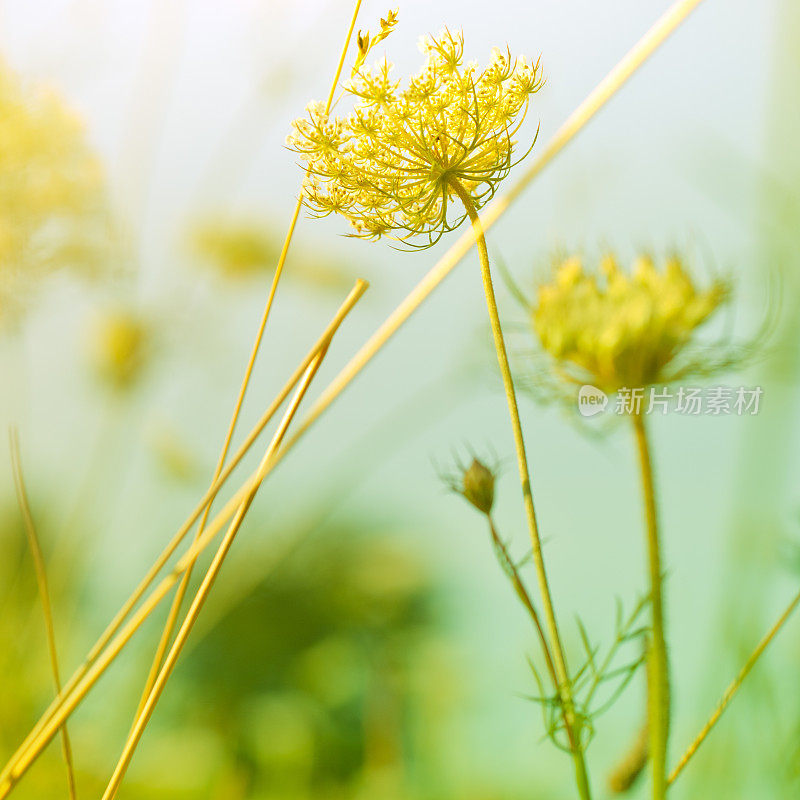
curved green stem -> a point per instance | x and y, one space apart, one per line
564 687
658 702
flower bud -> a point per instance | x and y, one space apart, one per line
478 486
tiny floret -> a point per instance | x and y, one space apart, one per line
390 166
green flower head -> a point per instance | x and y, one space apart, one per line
622 329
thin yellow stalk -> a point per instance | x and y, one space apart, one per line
44 593
172 617
734 687
202 593
68 702
577 120
98 658
658 689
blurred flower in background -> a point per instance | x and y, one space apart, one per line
240 249
120 343
53 211
174 455
235 249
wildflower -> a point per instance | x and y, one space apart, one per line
120 344
392 167
618 329
51 197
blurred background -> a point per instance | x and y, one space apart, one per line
361 641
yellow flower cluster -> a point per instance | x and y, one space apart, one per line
120 345
50 188
389 167
618 329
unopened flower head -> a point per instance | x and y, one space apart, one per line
475 482
621 329
478 486
390 166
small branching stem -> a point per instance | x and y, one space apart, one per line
511 570
564 689
519 587
658 702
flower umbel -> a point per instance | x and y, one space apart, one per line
390 166
621 329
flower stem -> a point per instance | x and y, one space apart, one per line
658 703
564 687
734 687
44 595
511 570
